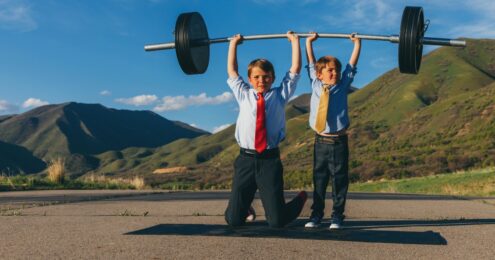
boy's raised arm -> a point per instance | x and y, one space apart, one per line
357 50
232 68
296 52
310 56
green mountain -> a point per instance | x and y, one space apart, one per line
78 131
441 120
204 153
16 159
192 153
5 117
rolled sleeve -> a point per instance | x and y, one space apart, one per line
349 71
238 86
289 84
311 71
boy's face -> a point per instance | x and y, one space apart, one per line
329 74
260 80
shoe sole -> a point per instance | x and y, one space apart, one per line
312 226
251 215
334 227
250 218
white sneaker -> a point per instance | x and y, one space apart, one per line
336 222
314 222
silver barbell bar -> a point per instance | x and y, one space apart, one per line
391 38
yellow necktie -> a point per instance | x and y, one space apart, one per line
321 116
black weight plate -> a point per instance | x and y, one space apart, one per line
420 26
403 64
410 40
181 44
191 43
416 34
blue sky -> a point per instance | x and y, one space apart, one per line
56 51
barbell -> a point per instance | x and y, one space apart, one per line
192 43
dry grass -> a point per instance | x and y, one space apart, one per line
137 182
56 170
179 169
473 189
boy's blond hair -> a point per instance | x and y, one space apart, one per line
323 61
263 64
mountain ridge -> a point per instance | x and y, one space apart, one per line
79 131
441 120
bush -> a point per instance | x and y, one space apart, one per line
56 170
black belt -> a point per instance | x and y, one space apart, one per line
266 154
329 139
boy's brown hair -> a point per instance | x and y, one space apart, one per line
263 64
323 61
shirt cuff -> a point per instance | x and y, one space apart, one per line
293 76
234 79
351 68
310 65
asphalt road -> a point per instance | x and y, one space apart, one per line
165 225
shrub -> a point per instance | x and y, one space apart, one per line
138 183
56 170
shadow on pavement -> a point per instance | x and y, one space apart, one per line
369 224
224 195
260 229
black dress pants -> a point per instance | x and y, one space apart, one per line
264 171
331 160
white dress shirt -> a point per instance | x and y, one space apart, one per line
275 100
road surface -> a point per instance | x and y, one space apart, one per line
165 225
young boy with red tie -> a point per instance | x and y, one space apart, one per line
260 128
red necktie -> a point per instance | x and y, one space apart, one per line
260 134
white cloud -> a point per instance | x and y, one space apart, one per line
169 103
141 100
105 93
220 128
7 108
34 102
16 15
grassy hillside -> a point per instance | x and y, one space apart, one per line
465 183
441 120
207 153
438 121
77 131
15 159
